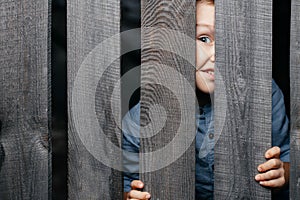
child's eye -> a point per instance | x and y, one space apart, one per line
205 39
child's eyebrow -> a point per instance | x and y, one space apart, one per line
210 27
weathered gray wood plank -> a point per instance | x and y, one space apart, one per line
93 72
244 61
167 101
24 100
295 100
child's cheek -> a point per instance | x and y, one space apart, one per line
202 56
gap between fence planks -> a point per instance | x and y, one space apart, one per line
244 61
25 159
90 23
295 100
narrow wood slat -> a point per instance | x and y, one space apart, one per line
93 71
168 99
243 99
295 100
25 159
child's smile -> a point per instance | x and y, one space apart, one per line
209 73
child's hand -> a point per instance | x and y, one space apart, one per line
135 193
272 171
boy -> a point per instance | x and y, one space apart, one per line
273 173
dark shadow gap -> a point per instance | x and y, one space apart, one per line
59 100
281 47
130 19
281 60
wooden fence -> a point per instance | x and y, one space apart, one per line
244 57
242 98
25 100
295 101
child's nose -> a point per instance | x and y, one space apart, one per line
212 58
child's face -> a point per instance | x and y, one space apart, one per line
205 47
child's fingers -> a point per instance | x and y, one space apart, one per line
135 194
137 184
273 152
272 174
273 183
270 164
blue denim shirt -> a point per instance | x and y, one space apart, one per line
204 143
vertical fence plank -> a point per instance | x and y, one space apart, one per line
93 71
244 61
167 153
24 100
295 100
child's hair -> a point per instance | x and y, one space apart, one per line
207 1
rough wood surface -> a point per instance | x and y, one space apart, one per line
167 153
93 72
25 159
244 61
295 100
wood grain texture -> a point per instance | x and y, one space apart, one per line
24 100
295 100
244 61
164 106
89 24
